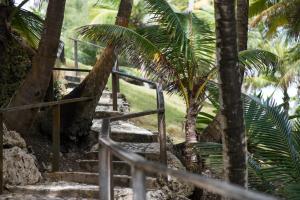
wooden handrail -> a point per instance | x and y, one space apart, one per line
45 104
55 128
140 165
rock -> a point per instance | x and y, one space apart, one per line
12 139
19 167
175 189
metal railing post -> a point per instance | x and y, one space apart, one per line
1 152
114 82
138 183
105 166
161 124
56 138
76 54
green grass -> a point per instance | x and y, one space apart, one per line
141 98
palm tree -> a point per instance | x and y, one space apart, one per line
35 85
286 72
242 26
77 119
234 140
273 146
275 14
178 50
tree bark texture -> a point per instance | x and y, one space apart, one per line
34 87
4 32
242 27
234 142
77 118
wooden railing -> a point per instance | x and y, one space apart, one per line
139 166
55 128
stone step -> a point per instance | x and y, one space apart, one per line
71 85
122 131
153 156
93 179
73 78
65 191
100 114
108 94
56 190
119 167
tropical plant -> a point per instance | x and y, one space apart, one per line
77 120
34 87
273 146
286 72
276 14
177 49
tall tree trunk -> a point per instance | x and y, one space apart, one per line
234 143
4 32
76 119
286 99
242 27
35 85
191 160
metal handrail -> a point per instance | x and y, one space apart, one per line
140 165
55 130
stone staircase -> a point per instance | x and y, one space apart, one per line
83 183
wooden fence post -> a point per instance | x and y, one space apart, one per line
76 55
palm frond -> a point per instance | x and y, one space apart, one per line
138 49
260 60
168 19
29 26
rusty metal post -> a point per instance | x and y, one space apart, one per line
161 124
105 166
1 152
114 82
138 184
76 55
56 138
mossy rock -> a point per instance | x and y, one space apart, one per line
16 65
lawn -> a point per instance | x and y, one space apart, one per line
142 98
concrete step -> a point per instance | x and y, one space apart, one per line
73 78
154 156
100 113
71 84
93 179
108 94
122 131
56 190
119 167
64 191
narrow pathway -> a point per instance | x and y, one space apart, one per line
83 183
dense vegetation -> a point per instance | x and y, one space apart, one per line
223 83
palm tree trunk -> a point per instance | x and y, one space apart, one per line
77 118
242 23
286 99
35 85
242 26
191 161
4 32
234 141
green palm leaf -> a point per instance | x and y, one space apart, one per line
138 49
29 26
